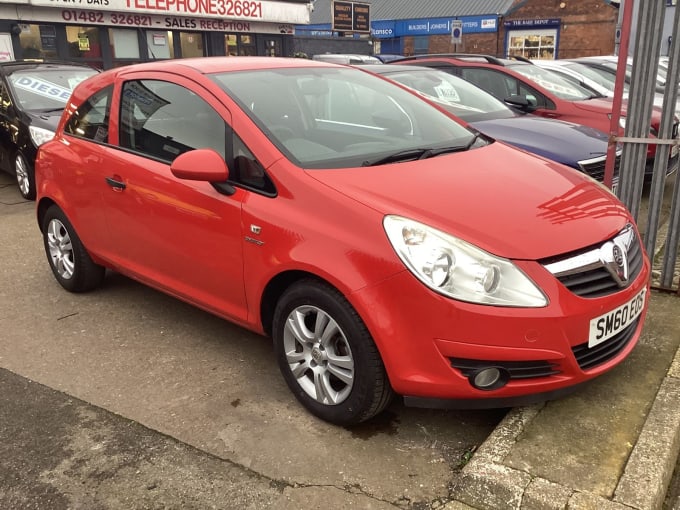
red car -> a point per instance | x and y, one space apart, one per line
539 91
384 246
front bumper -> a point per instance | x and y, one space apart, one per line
422 336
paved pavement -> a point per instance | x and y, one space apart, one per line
104 405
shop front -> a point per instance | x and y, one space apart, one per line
111 33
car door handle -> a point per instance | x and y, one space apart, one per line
115 184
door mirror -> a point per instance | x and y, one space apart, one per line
200 165
520 102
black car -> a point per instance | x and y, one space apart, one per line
33 95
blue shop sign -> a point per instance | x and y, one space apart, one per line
432 26
383 29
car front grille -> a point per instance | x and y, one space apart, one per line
516 369
591 357
595 167
594 271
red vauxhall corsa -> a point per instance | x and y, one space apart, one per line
384 246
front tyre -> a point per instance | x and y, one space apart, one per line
25 176
327 355
71 264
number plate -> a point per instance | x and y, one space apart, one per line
607 325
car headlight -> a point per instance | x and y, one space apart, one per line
39 135
458 269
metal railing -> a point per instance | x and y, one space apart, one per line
661 231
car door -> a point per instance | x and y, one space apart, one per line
178 235
7 129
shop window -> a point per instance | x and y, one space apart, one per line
421 45
83 44
239 44
124 43
160 45
538 44
38 41
191 44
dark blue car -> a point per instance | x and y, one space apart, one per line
574 145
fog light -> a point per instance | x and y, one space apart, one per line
490 378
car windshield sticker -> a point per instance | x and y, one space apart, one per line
448 92
43 88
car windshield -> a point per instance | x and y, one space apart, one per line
553 82
460 97
603 78
336 117
47 88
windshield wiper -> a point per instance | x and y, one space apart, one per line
420 153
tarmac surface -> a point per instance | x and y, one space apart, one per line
80 429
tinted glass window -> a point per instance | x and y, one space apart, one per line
164 120
495 83
91 120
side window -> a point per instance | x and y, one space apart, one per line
534 97
163 120
247 171
91 120
493 82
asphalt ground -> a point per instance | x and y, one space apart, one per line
127 398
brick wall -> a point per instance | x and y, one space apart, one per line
587 26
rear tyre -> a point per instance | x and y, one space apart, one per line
25 176
70 263
327 355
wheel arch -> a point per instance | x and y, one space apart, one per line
276 287
41 210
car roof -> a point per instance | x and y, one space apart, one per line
209 65
383 69
468 57
20 65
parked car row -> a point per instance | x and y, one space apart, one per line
599 74
541 92
372 226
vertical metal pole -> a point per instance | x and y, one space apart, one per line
670 96
618 94
641 99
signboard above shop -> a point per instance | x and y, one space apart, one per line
351 17
248 10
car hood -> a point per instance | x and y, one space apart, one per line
505 201
600 105
564 142
45 119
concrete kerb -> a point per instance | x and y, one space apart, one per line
486 483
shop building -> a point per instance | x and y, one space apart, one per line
529 28
110 33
